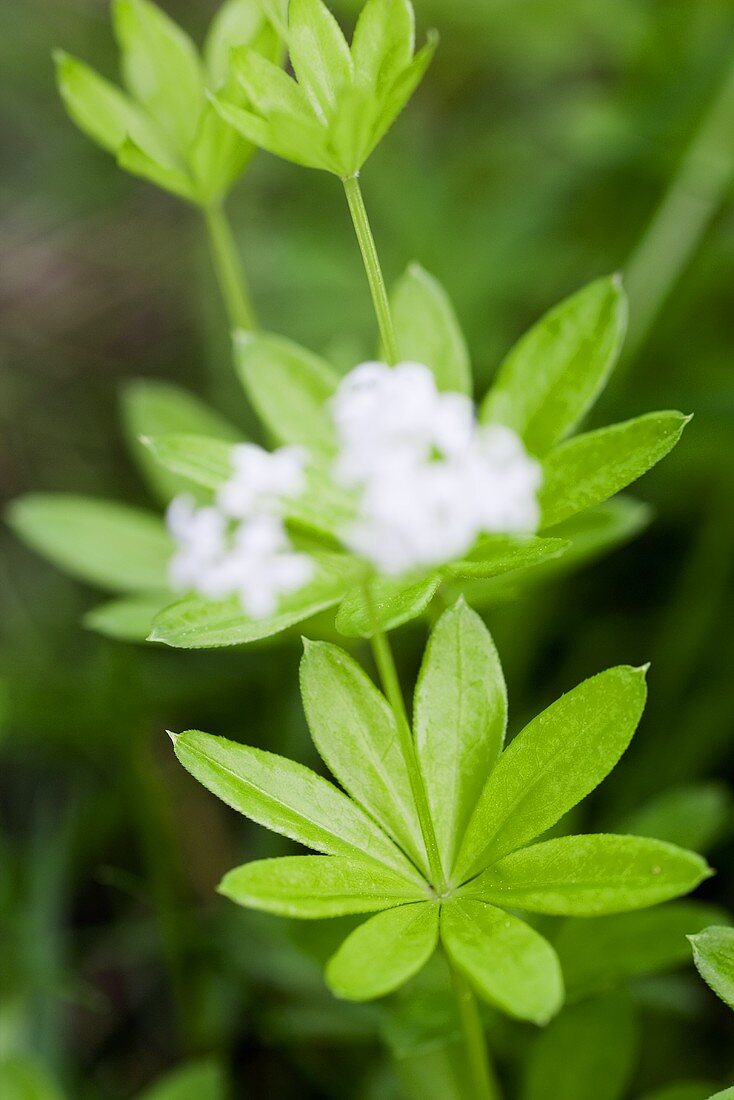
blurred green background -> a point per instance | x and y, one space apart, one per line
550 143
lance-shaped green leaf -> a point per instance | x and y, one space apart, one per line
107 544
355 732
727 1094
134 159
198 459
460 716
202 1080
287 798
591 468
589 1050
161 67
713 954
237 23
318 886
498 554
555 372
560 757
603 952
694 816
198 623
383 41
427 330
154 408
587 876
384 952
508 962
126 620
397 95
392 603
319 53
289 389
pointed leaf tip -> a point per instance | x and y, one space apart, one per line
174 736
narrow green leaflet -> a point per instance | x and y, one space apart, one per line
393 602
507 961
495 555
237 23
355 732
603 952
198 623
555 372
588 876
591 468
428 332
126 620
397 96
713 954
153 408
319 53
289 389
588 1051
694 816
111 545
161 67
560 757
460 717
286 798
203 1080
383 42
134 159
384 952
194 458
310 887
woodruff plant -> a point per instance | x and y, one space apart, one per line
388 495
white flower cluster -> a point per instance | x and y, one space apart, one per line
239 545
431 478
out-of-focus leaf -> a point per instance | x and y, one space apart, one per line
319 53
588 876
104 543
694 816
498 554
460 717
286 798
127 620
685 1090
555 372
196 1081
713 954
589 1050
602 952
289 389
237 23
317 886
508 962
428 332
195 458
392 603
22 1078
134 159
384 952
355 732
591 468
552 764
383 41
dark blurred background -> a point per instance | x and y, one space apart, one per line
549 144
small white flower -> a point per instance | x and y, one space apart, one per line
262 480
200 535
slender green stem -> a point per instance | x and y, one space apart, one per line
484 1084
228 269
372 266
391 685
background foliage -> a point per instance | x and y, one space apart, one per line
540 148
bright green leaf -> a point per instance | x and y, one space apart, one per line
355 732
460 717
289 389
713 954
591 468
384 952
196 458
506 960
588 876
560 757
132 158
286 798
693 816
602 952
196 1081
319 53
126 620
198 623
317 886
496 555
237 23
427 330
24 1078
727 1094
104 543
161 67
383 42
393 602
395 98
588 1051
555 372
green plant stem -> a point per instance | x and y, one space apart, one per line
693 197
228 269
391 685
484 1084
372 266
